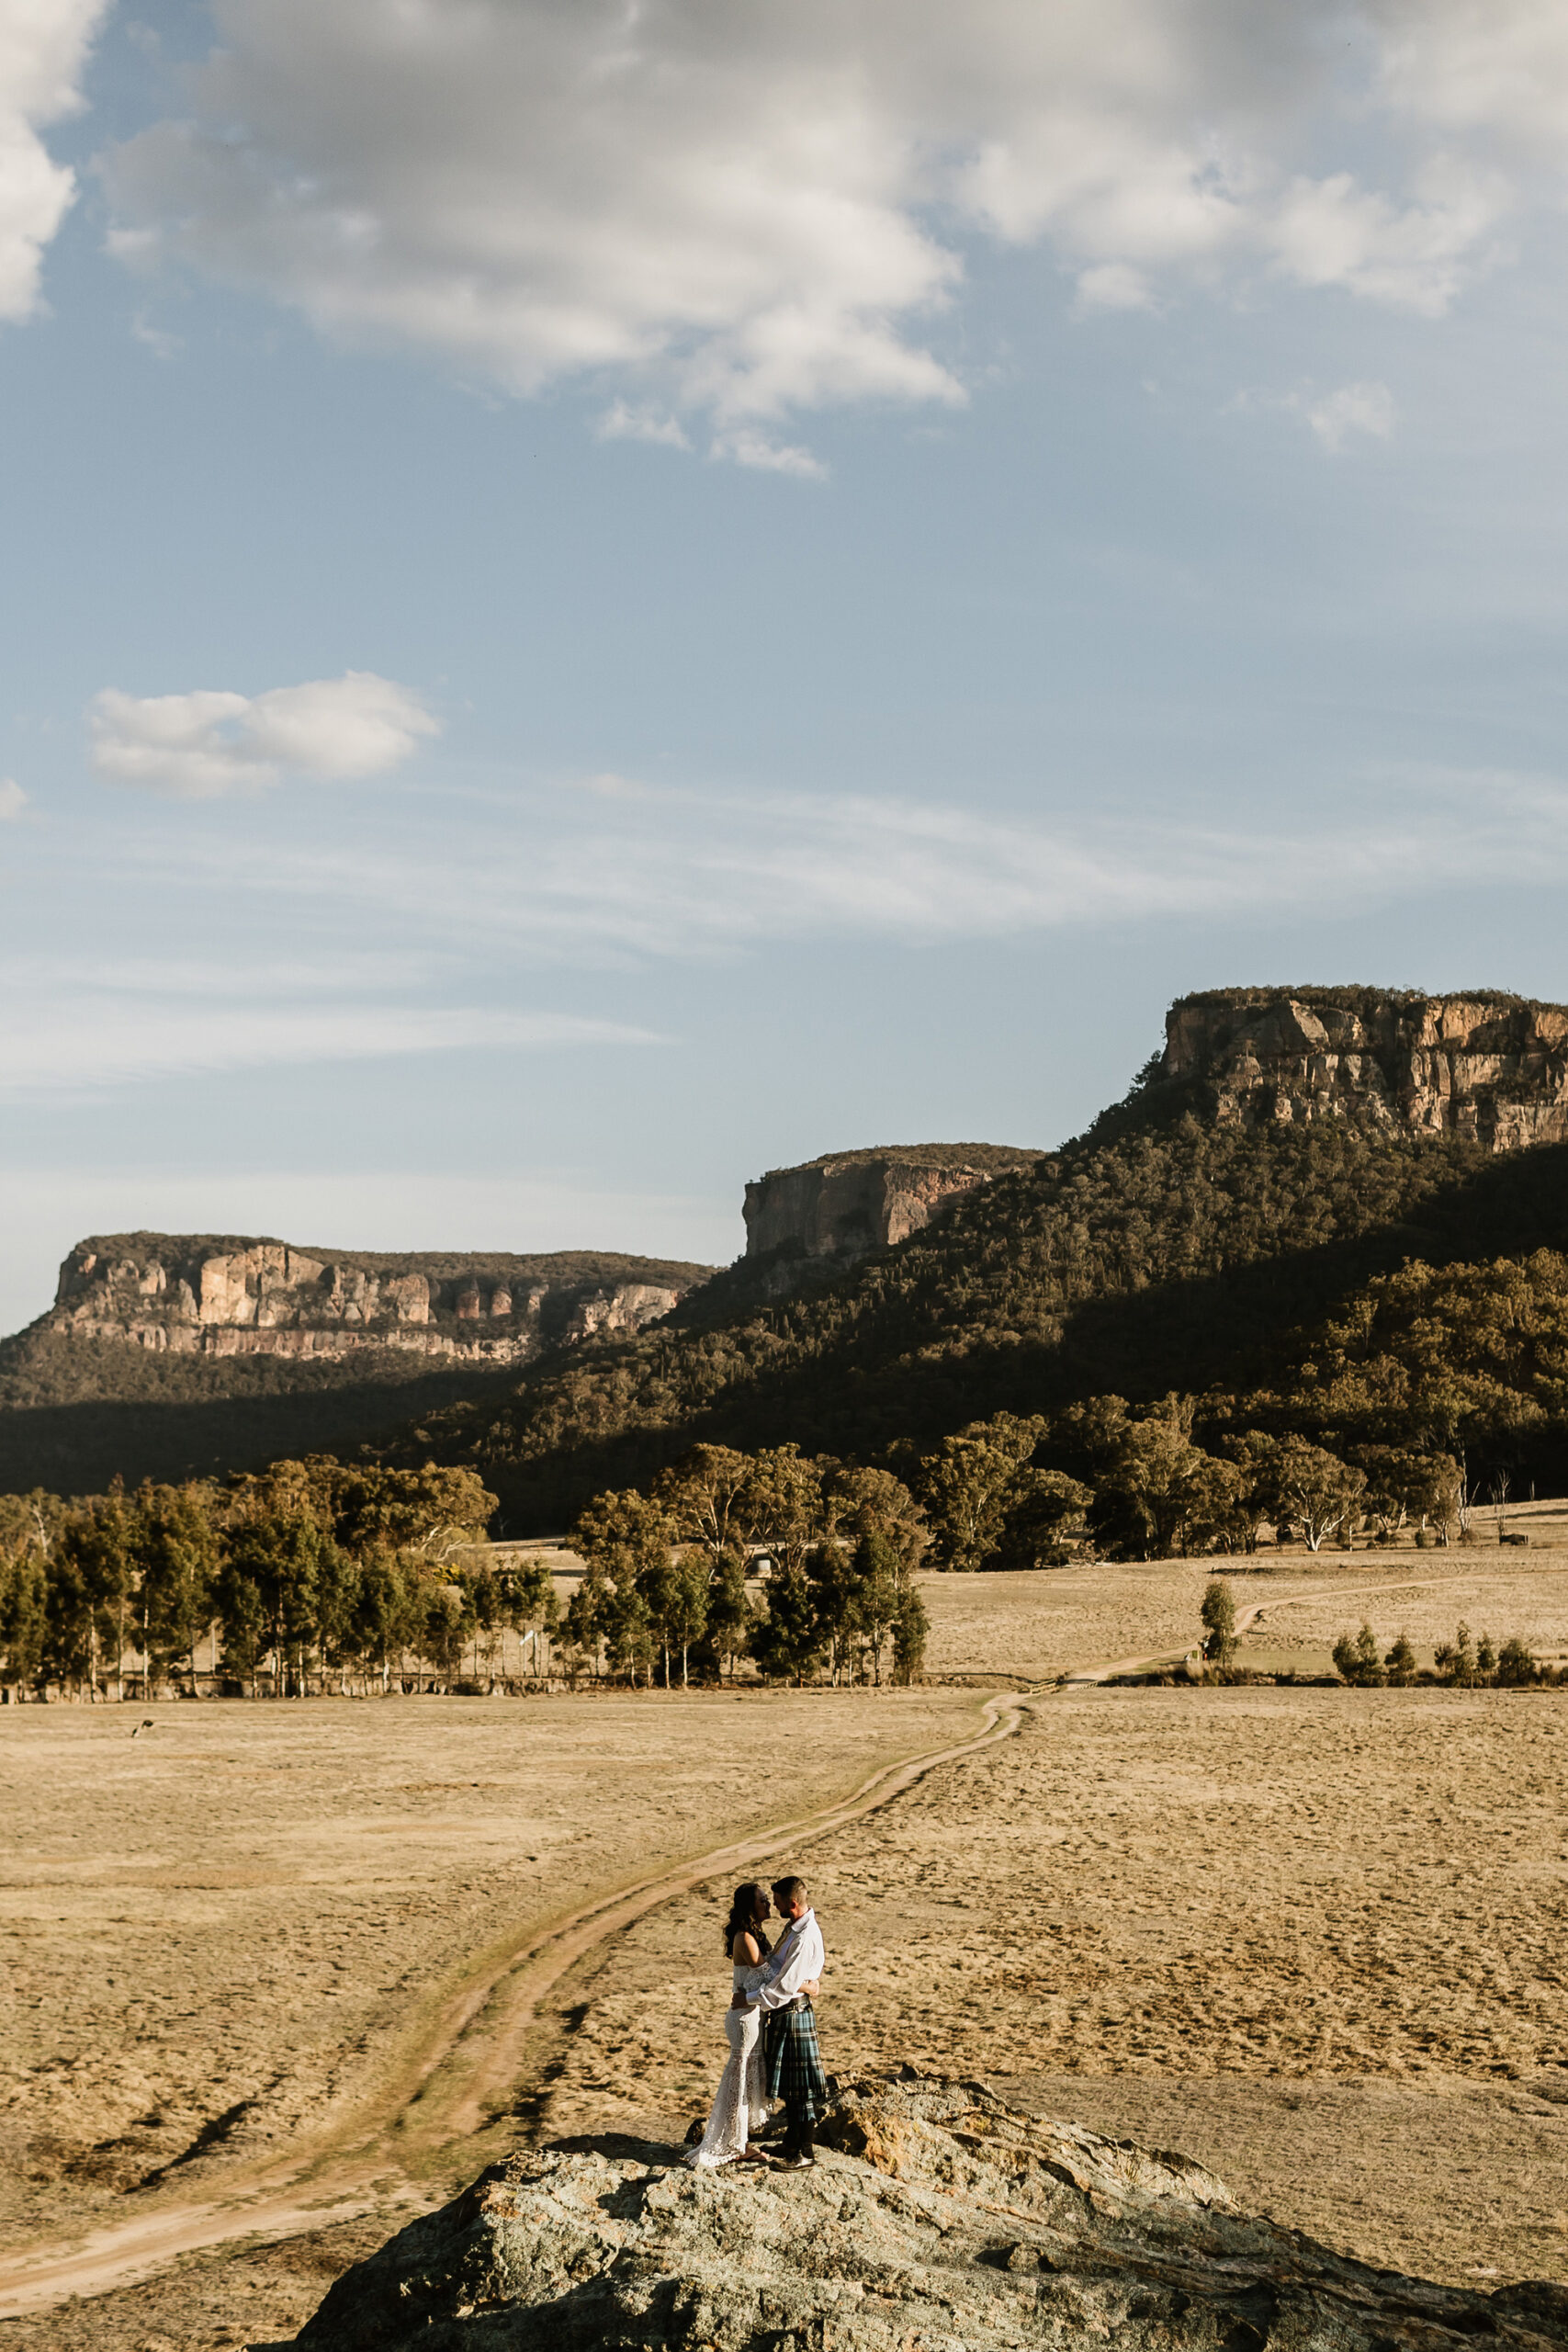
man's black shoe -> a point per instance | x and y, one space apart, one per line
800 2162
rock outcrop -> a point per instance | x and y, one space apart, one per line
937 2217
1486 1065
842 1206
229 1296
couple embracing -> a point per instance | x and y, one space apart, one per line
770 2026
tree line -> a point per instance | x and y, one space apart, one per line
798 1564
1106 1478
316 1575
1464 1663
666 1574
310 1573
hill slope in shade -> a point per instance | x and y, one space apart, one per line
1279 1153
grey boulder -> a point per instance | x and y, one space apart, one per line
937 2219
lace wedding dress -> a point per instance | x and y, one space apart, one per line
741 2103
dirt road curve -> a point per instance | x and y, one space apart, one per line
474 2058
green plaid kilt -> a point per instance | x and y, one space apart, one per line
794 2062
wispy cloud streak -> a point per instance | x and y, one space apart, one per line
668 873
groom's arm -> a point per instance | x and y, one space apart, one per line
788 1972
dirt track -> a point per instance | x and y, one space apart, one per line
471 2064
1217 1917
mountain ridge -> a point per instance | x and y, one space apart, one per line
1230 1198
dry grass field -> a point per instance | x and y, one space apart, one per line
1313 1936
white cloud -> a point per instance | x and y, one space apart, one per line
670 873
1354 408
43 45
13 800
199 746
746 446
748 212
88 1027
621 422
1114 285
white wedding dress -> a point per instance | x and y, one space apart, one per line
741 2103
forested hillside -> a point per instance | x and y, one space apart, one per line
1158 1253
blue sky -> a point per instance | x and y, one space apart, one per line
599 598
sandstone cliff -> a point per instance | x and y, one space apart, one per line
229 1296
848 1203
937 2217
1485 1065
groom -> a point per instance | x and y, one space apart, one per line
789 2023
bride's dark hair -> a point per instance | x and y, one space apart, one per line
742 1914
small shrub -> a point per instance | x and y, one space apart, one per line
1455 1660
1358 1660
1400 1663
1516 1666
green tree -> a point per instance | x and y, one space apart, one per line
969 1483
382 1622
629 1634
70 1647
786 1642
1515 1664
24 1599
587 1617
626 1540
684 1598
910 1626
1217 1615
1357 1661
1315 1492
101 1537
268 1594
1456 1660
1401 1663
863 1501
533 1608
880 1585
830 1579
784 1505
443 1631
730 1617
1163 1494
176 1547
709 1495
1047 1512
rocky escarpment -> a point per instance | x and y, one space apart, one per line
846 1204
1486 1065
937 2217
228 1295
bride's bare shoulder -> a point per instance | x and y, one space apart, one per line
744 1950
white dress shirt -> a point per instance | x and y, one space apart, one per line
798 1959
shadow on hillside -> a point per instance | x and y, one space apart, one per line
1225 1330
77 1448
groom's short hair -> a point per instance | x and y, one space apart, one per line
789 1890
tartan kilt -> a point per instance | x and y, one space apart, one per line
794 2062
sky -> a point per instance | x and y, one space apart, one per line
597 598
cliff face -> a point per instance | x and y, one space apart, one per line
211 1296
842 1206
1489 1066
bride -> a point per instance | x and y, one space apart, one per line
741 2104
